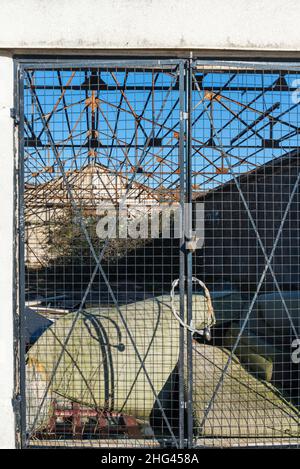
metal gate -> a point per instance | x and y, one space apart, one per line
158 267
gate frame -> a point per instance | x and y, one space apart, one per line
20 65
186 63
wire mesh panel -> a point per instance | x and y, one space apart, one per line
161 254
245 189
101 174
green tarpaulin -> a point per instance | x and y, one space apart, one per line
100 367
244 406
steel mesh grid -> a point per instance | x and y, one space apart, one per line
94 138
245 173
156 263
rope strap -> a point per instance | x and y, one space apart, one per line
210 310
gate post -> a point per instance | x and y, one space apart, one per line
7 423
188 252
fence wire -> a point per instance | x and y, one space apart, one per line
245 170
136 175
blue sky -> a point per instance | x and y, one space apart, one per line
239 103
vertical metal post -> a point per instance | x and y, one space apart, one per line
182 256
189 254
21 238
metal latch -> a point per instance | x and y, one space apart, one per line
183 115
191 244
14 116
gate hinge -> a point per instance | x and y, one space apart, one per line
16 402
14 116
183 115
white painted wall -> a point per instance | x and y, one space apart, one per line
7 436
155 24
